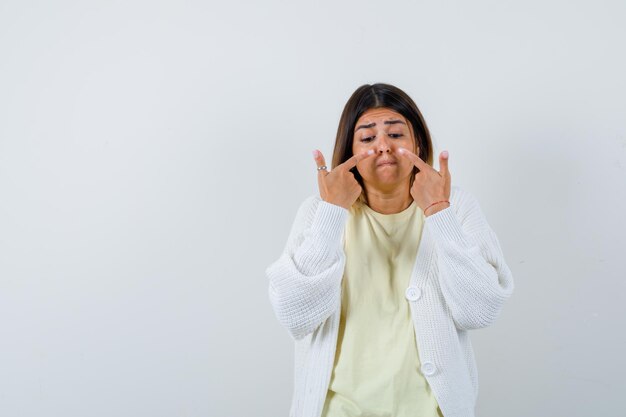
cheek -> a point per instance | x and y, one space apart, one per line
357 146
407 166
365 168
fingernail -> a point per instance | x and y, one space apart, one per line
315 153
444 154
400 150
371 151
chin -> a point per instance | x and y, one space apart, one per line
387 179
385 182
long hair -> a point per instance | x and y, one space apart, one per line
376 96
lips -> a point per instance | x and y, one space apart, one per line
383 163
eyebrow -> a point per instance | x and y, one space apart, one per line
387 122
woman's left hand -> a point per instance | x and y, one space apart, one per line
430 185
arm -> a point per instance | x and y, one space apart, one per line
305 281
474 277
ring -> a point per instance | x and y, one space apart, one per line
323 167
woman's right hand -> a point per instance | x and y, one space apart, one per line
339 186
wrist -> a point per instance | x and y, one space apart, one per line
436 208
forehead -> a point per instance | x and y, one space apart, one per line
378 116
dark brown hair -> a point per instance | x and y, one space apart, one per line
379 96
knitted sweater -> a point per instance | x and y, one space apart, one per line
460 282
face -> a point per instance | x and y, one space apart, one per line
384 130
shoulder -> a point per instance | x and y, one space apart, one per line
467 208
310 203
307 208
462 198
458 192
314 209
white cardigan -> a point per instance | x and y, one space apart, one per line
460 282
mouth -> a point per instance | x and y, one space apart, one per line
385 163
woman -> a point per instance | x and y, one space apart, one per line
385 272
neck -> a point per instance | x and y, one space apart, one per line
388 201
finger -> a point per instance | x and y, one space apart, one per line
355 159
443 163
417 161
320 161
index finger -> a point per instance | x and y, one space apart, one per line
355 159
417 161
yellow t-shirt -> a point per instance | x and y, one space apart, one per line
376 372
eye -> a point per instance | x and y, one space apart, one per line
367 139
396 135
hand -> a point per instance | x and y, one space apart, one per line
339 187
430 185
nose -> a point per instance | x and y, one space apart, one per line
383 145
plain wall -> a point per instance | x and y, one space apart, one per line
153 156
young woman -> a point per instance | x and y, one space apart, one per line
384 273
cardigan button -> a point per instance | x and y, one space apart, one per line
428 368
412 293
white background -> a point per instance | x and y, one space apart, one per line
153 155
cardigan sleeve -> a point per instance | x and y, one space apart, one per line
474 278
305 281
